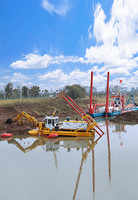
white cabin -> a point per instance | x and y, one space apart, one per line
51 122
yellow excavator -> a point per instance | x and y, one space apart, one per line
27 116
37 124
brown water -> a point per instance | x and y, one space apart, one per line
33 168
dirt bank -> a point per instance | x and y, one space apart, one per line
15 129
129 117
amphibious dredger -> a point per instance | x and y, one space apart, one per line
51 124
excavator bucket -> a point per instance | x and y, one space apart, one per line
9 121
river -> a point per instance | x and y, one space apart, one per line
33 168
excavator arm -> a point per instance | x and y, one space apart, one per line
27 116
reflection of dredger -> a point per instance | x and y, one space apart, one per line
54 144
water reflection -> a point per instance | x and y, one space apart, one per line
85 145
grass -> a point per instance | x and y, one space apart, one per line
46 106
15 102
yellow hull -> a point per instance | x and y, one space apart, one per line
62 133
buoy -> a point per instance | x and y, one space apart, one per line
53 135
5 135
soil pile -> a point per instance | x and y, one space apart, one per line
128 117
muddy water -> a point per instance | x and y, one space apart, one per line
36 168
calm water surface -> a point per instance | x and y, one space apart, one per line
36 168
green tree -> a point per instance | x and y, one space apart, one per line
46 92
1 95
19 94
8 90
25 91
34 91
15 92
75 91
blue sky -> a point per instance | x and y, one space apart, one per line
54 43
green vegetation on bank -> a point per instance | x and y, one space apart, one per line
43 106
46 106
14 102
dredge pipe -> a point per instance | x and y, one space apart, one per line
107 93
91 89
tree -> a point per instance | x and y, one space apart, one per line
19 91
46 92
1 93
75 91
34 91
25 91
8 89
15 91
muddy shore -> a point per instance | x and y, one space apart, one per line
128 117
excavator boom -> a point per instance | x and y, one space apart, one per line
23 114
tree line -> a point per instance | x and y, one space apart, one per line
74 91
19 92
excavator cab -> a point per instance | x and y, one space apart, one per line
51 122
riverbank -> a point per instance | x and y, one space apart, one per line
128 117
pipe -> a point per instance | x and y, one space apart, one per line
107 93
91 88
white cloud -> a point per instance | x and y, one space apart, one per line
60 78
32 61
27 84
61 9
81 41
117 38
115 50
89 32
6 77
35 61
127 82
64 59
18 77
35 50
